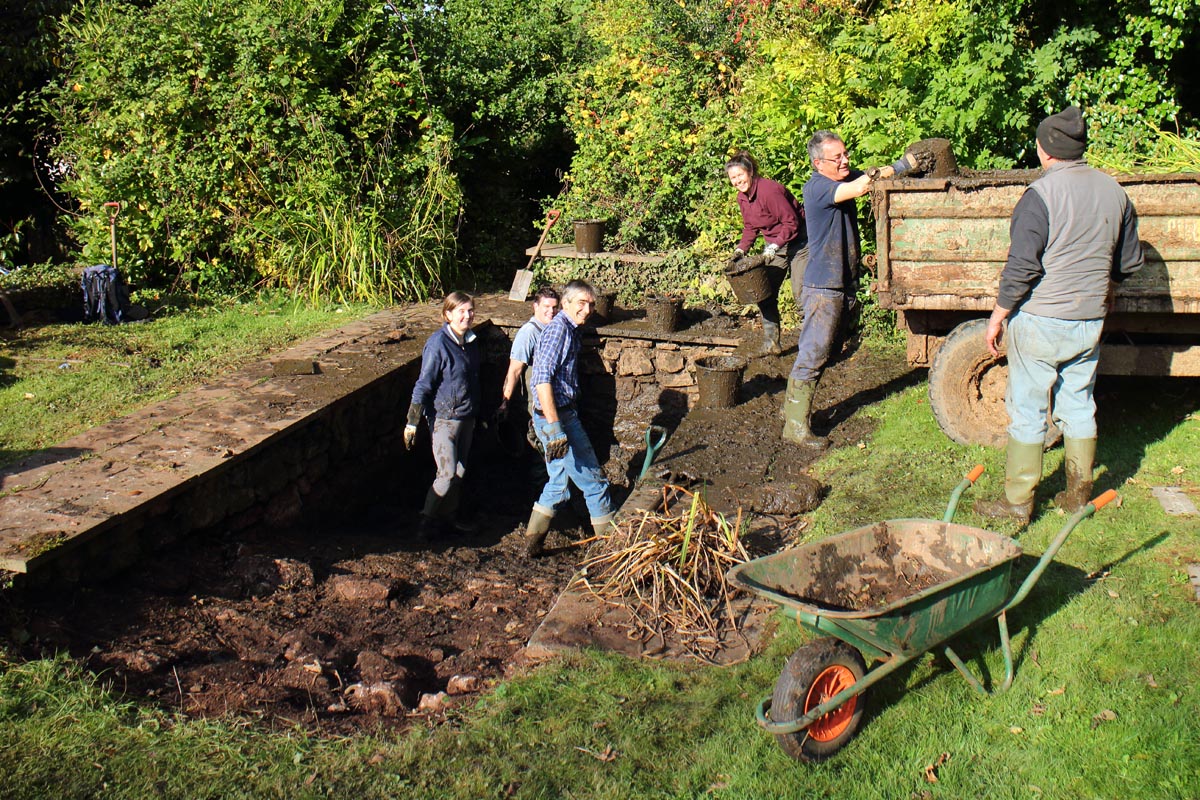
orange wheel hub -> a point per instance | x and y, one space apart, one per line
827 684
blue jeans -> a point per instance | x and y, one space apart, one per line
1051 364
579 466
822 309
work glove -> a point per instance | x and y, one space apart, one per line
770 250
556 446
410 427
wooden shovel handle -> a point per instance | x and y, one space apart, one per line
551 218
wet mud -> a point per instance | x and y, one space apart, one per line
349 622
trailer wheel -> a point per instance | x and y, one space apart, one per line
966 389
813 674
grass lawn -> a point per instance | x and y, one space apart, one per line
59 380
1104 703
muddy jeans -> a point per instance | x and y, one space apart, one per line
822 311
1051 364
789 265
451 444
579 466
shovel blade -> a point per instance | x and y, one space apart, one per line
520 285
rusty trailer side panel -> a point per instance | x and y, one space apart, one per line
942 243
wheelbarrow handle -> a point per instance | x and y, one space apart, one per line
1048 556
967 482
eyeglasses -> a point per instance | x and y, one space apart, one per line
843 157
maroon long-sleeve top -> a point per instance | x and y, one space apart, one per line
770 209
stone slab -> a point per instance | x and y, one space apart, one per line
1174 501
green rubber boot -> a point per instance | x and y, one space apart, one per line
1078 457
1021 476
797 411
600 524
535 533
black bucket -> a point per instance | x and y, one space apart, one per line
605 302
663 312
749 279
589 235
718 378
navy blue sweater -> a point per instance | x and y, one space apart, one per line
448 387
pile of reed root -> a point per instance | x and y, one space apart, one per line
667 567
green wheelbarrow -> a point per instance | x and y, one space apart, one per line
885 594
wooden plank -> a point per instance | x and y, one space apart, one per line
1128 359
569 251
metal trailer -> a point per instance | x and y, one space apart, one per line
942 243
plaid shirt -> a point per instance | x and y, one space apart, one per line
556 362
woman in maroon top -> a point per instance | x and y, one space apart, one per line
768 208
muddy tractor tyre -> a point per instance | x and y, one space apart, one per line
966 389
812 675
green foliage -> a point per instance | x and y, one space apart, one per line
649 118
195 115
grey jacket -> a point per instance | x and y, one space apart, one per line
1072 231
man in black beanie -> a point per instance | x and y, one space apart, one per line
1073 235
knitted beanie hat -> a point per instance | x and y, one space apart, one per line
1063 135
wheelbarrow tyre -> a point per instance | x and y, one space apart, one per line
819 670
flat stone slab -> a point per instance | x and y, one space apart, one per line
71 492
1174 501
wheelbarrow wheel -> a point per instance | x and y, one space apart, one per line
813 674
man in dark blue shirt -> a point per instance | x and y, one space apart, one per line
830 278
569 453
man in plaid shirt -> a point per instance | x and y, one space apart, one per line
569 454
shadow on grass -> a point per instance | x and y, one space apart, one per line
1054 589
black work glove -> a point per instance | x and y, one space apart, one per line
556 446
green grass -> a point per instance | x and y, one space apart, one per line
58 380
1104 703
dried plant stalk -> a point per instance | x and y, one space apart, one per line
667 567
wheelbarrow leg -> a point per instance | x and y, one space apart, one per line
1005 646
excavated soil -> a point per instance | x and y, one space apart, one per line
348 622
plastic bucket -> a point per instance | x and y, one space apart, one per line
589 235
663 312
749 280
718 378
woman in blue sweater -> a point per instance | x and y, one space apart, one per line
447 395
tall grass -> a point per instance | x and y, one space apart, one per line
1169 153
364 244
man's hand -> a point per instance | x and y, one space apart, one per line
410 436
556 446
995 329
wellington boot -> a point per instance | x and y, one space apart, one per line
1078 457
451 512
535 533
600 525
1021 476
431 516
797 411
771 339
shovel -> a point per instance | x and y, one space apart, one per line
520 285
